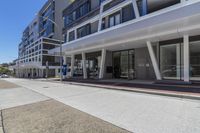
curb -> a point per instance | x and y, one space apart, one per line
141 90
185 95
2 130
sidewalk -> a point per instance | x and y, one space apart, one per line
135 112
148 87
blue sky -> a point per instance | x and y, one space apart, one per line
15 15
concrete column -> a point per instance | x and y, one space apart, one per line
178 63
100 17
182 1
154 60
26 73
186 58
75 34
19 73
136 10
64 63
38 73
144 7
102 65
31 72
72 65
42 72
84 66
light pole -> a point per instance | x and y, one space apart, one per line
58 28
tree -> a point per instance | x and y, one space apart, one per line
4 70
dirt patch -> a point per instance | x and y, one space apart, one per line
7 85
54 117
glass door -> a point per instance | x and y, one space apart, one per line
123 64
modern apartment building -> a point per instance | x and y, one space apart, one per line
41 35
133 39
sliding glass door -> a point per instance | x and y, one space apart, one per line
171 61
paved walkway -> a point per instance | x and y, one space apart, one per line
51 116
139 113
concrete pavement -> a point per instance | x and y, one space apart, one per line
27 111
139 113
19 96
51 116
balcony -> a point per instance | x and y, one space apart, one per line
154 24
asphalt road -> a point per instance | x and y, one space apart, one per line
135 112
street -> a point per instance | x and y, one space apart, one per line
110 110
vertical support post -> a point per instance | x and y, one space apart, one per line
72 65
183 1
144 7
75 33
186 58
38 73
136 10
32 73
178 63
154 61
42 73
61 62
64 63
100 17
102 65
84 66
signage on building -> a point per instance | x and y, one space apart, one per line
64 70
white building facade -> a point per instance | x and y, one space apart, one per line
41 35
133 39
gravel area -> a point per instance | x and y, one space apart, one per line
7 85
54 117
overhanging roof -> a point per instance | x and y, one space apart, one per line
164 24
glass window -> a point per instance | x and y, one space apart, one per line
71 36
128 13
112 21
171 61
195 60
84 9
83 31
148 6
117 19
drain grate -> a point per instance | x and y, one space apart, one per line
46 87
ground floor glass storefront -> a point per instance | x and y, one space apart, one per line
172 59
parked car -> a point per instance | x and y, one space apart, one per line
4 76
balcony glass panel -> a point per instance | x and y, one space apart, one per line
149 6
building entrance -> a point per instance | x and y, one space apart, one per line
93 64
123 64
